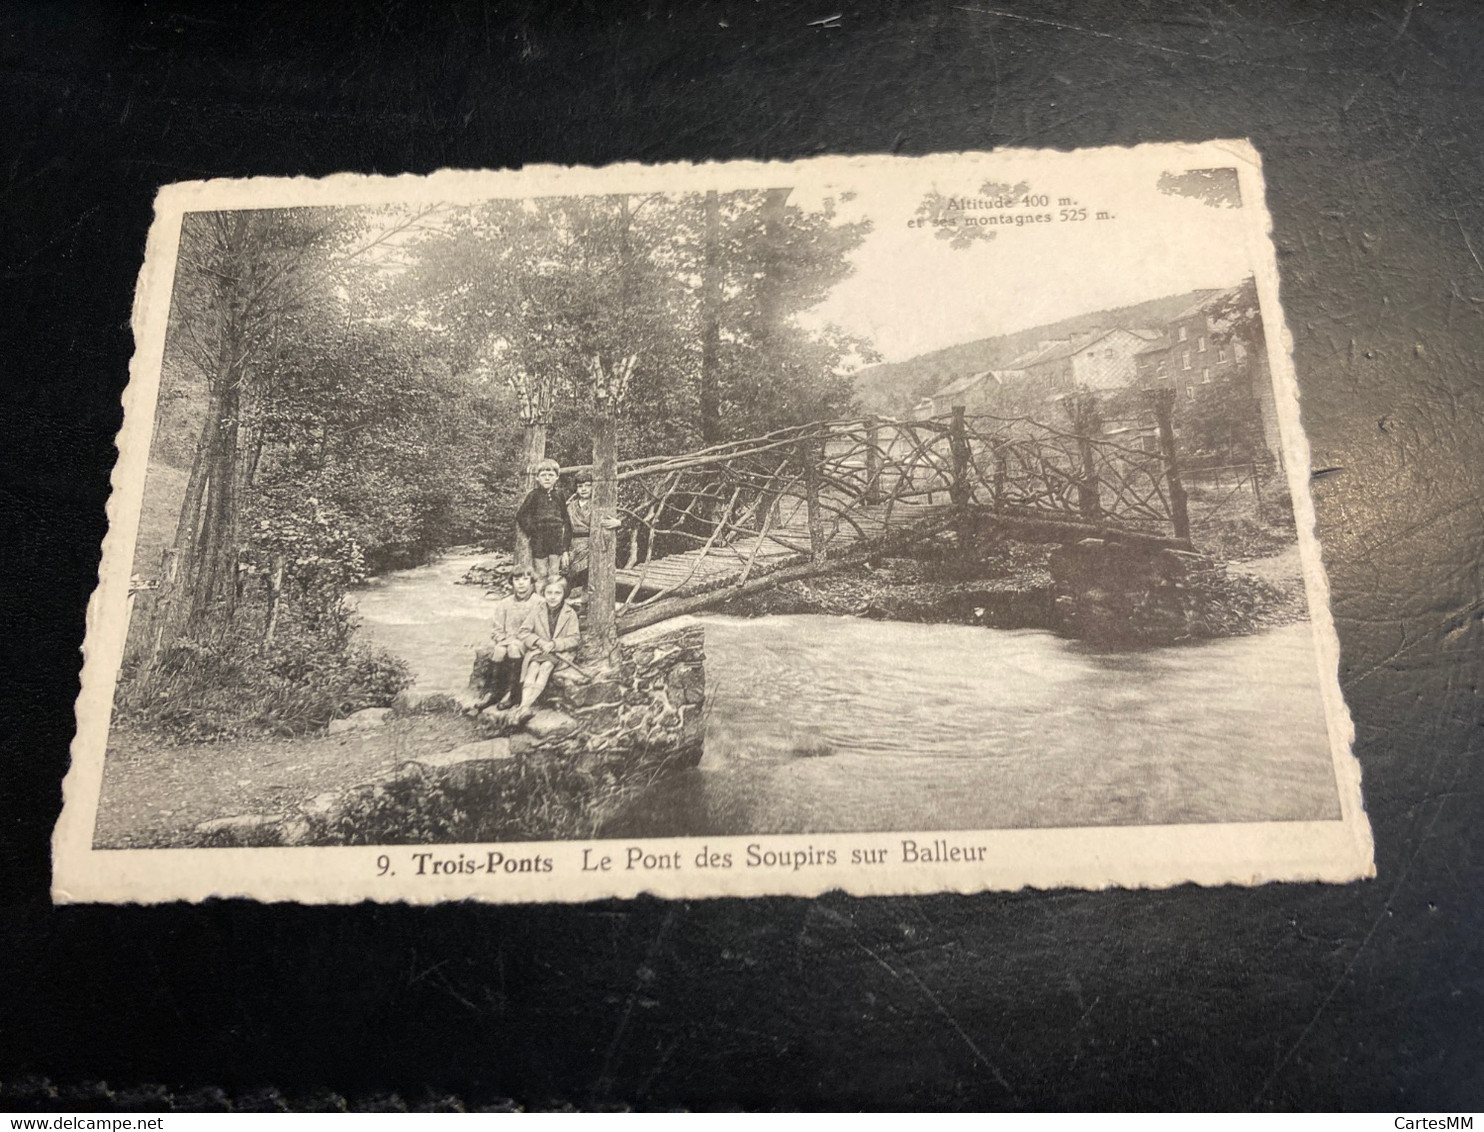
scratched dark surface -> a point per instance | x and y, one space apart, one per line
1289 996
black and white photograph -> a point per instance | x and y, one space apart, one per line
881 524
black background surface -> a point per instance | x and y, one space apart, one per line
1287 996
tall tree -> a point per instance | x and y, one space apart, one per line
710 400
702 288
276 314
239 276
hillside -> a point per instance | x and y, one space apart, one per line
164 489
894 387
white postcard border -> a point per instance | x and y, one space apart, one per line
1085 857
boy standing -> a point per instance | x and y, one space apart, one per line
543 519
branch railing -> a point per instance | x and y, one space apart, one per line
732 513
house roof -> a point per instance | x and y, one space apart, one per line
1158 346
962 384
1057 349
974 381
1051 351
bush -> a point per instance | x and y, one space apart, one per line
207 688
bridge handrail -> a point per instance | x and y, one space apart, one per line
857 480
731 449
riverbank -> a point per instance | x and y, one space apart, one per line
1011 587
154 795
420 779
158 794
422 774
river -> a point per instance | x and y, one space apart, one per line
425 617
819 724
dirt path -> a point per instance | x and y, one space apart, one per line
1284 572
1280 569
153 796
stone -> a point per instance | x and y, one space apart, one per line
564 679
322 805
633 718
496 722
1172 566
692 729
410 701
602 691
294 831
243 829
366 719
464 765
481 750
546 722
667 720
686 684
664 652
407 701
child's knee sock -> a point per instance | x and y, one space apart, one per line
510 677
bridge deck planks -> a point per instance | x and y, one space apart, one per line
697 571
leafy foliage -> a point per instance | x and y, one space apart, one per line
355 384
221 686
529 291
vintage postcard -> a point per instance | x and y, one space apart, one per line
892 525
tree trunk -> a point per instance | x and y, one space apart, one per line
811 453
215 578
159 617
1162 402
770 301
275 598
711 322
198 531
962 489
602 580
873 493
773 239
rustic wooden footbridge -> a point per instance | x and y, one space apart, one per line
706 526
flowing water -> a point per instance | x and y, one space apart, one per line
820 724
423 616
823 724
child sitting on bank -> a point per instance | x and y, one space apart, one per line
543 519
507 651
550 636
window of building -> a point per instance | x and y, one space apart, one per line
1184 359
1190 392
1205 375
1201 343
1183 333
1221 353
